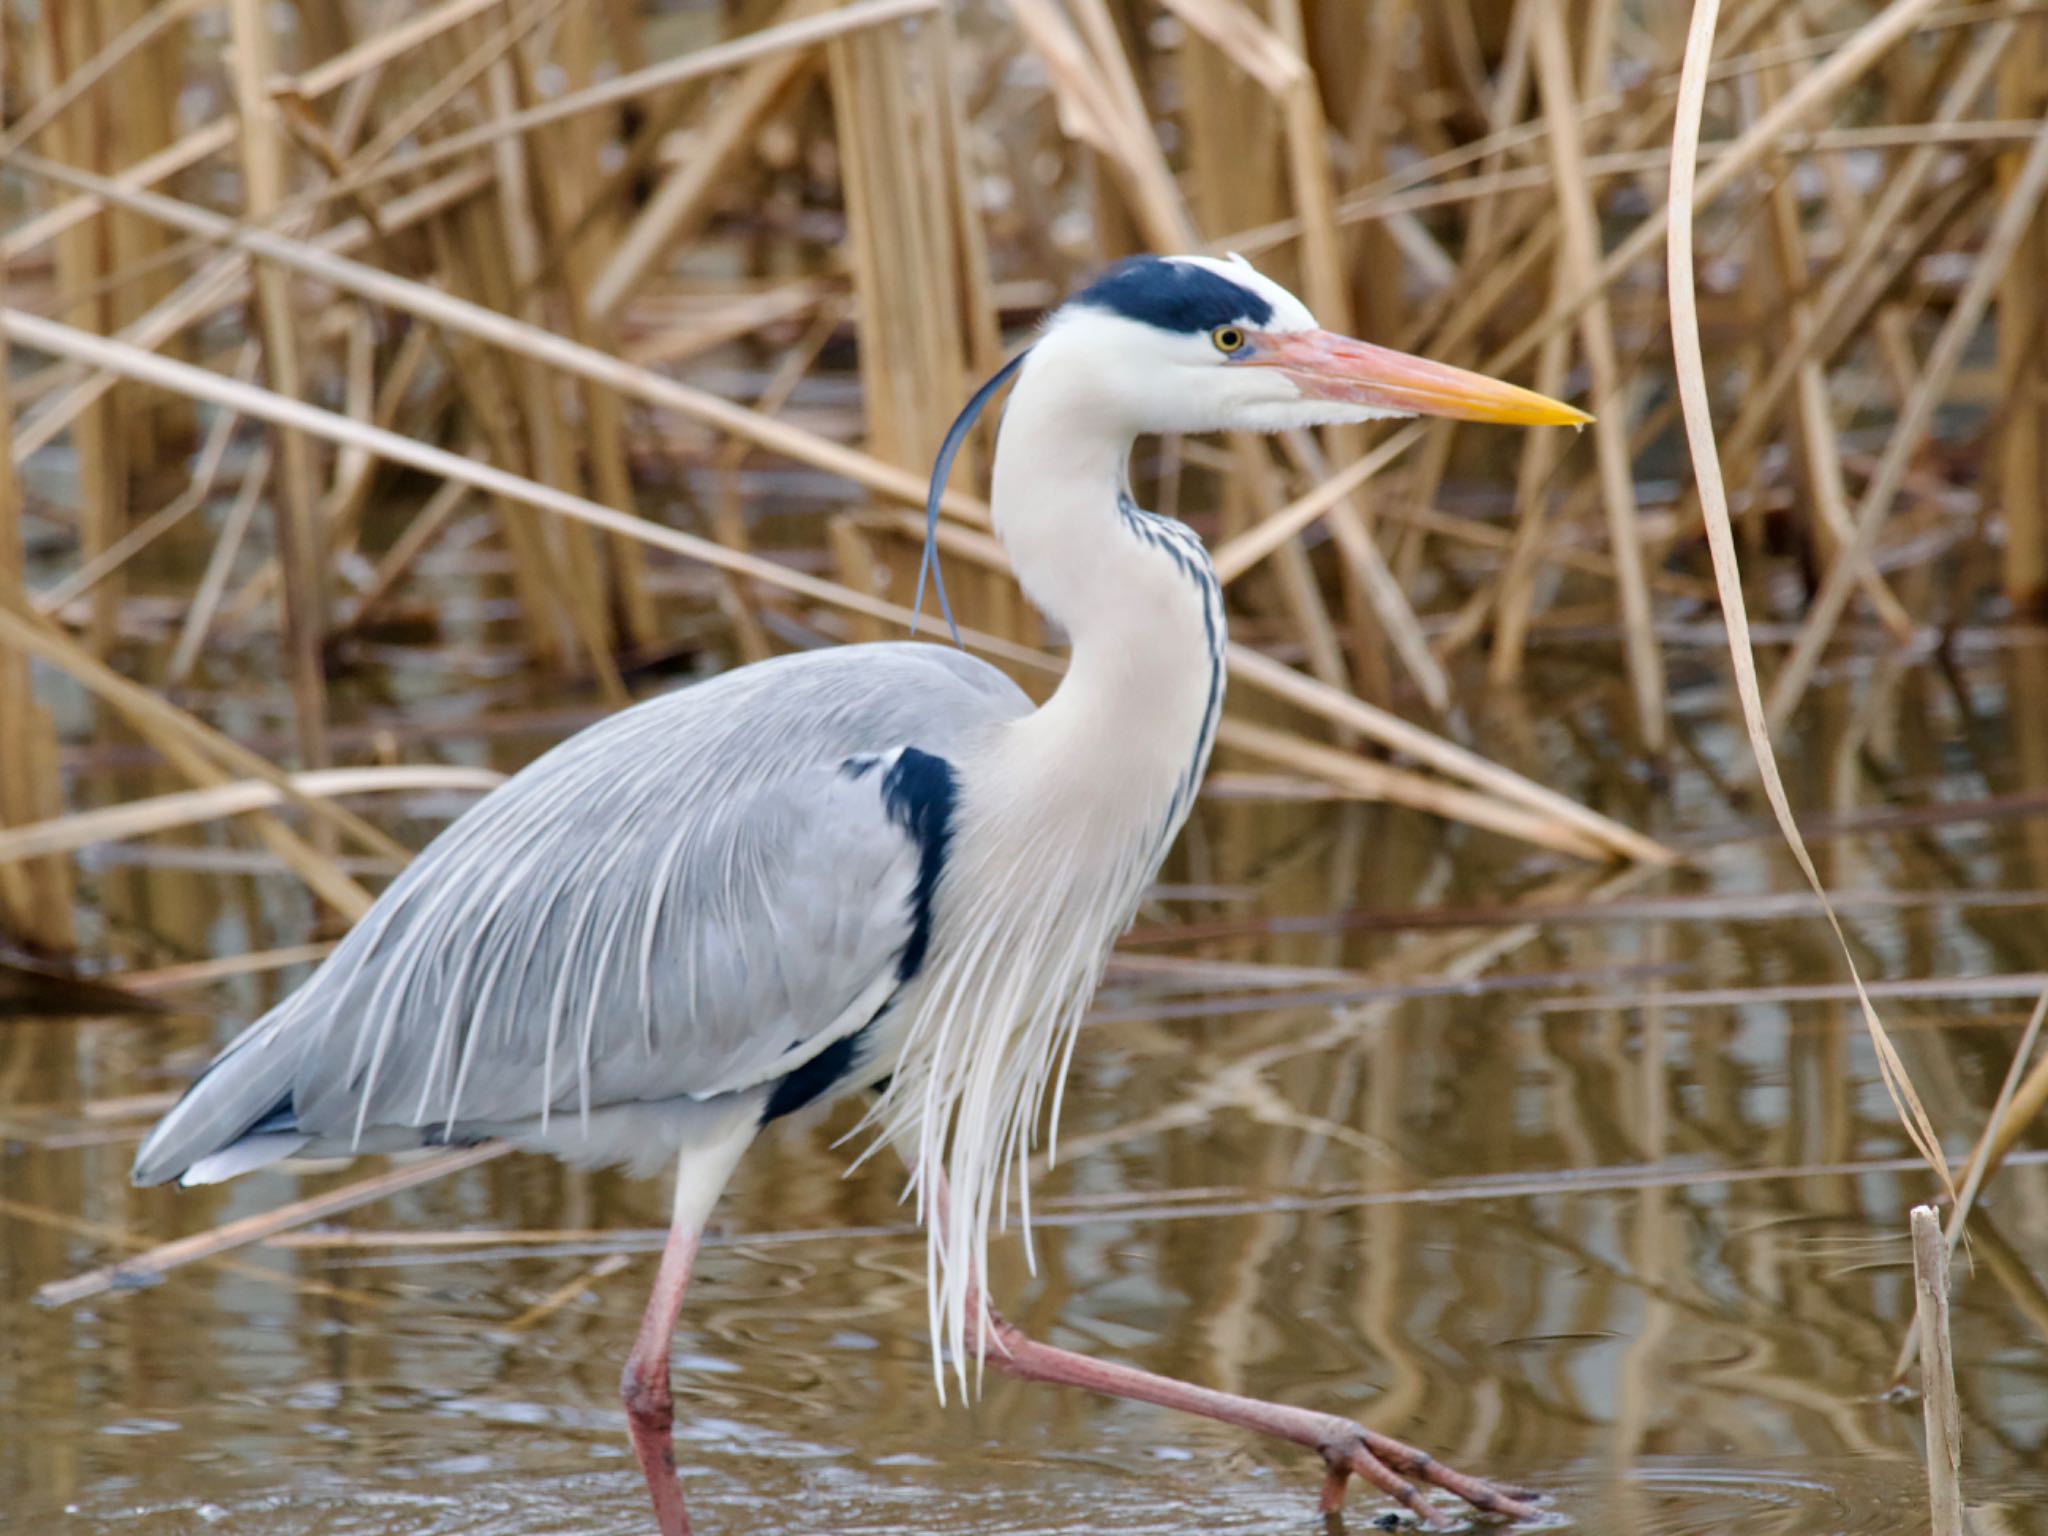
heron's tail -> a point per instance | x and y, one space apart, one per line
237 1116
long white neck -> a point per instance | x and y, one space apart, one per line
1134 593
1063 817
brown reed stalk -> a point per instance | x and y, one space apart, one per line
185 808
906 240
426 525
1609 400
36 896
301 539
205 472
1515 600
268 406
78 136
2021 206
2022 454
854 16
556 623
508 277
1938 1375
220 565
324 262
683 199
1817 434
214 286
852 553
925 314
580 220
1260 99
194 749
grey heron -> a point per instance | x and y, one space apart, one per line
876 867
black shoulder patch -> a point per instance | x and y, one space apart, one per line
1174 295
815 1078
918 794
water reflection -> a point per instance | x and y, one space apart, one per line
1480 1182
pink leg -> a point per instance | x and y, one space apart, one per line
1345 1447
644 1384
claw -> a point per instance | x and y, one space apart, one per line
1395 1487
1509 1503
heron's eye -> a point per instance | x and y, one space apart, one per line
1228 339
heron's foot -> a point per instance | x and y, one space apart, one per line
1395 1467
1347 1449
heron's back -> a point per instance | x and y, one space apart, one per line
677 902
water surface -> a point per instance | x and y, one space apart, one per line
1467 1175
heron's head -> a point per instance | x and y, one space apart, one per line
1198 344
1201 344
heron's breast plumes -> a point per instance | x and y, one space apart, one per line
1025 923
1061 826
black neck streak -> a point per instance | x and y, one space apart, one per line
1183 547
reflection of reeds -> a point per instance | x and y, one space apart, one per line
483 242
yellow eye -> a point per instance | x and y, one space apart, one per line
1228 338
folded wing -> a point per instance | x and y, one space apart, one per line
695 896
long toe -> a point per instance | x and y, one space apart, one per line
1394 1467
1393 1485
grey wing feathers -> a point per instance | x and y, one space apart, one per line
691 897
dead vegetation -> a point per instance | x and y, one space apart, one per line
520 253
298 299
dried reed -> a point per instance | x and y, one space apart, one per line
576 275
1938 1372
1706 461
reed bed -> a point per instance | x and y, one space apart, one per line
298 299
469 259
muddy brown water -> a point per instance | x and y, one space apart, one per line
1470 1179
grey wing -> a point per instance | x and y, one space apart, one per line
694 896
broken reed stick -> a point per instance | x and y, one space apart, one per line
120 1237
149 1267
1938 1374
213 583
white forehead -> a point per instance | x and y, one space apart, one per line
1289 313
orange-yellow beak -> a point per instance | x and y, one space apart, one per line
1331 367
